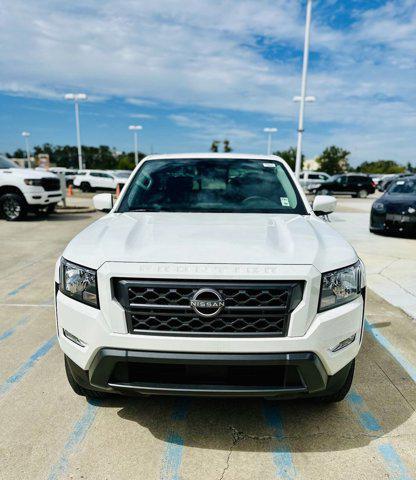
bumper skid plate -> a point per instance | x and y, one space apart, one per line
205 374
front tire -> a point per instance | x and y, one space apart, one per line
13 207
324 191
79 389
86 187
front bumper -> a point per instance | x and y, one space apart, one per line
393 222
39 197
291 375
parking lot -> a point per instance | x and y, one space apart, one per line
50 433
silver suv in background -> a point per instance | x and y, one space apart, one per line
307 178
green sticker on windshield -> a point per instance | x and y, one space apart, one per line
284 201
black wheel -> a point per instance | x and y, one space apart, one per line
79 389
324 191
85 187
362 194
13 207
339 385
51 208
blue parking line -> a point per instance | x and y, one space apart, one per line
382 340
366 418
391 458
8 333
76 436
282 456
27 366
14 292
172 458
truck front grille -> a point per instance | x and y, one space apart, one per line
51 184
249 308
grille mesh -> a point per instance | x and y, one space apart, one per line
250 308
51 184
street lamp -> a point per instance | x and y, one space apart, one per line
26 136
77 97
302 98
135 129
270 132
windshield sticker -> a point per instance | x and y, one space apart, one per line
401 182
284 201
269 165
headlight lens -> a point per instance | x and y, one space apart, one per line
33 182
340 286
379 207
79 283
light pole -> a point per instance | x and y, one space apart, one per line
269 132
77 97
26 136
303 87
135 129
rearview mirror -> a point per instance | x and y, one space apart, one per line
103 202
324 204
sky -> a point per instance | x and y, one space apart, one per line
193 71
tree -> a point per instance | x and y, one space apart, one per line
380 166
102 157
215 145
289 156
334 160
227 147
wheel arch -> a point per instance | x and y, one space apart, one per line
10 189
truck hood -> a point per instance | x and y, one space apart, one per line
211 238
28 172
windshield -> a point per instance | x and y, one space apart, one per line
403 187
6 163
212 185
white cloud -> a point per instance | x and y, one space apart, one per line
141 115
204 53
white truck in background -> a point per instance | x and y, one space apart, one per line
24 190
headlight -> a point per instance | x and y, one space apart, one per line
379 207
314 185
79 283
340 286
33 182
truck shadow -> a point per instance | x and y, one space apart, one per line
257 425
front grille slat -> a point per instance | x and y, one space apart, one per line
251 308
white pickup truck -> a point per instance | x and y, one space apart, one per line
23 190
211 275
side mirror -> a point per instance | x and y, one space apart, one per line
324 204
103 202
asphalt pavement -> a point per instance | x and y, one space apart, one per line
47 432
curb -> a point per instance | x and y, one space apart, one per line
74 211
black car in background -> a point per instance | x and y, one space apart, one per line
395 211
345 184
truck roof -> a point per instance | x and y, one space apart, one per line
211 155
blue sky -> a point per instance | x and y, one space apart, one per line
190 72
